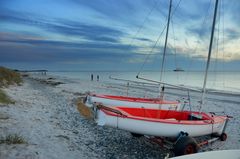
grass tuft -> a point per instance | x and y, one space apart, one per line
4 99
9 77
12 139
84 110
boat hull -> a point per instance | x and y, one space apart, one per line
162 128
132 102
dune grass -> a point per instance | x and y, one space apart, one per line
4 99
8 77
84 110
12 139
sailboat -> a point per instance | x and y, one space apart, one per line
134 102
167 123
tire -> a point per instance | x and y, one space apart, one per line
136 135
185 145
223 137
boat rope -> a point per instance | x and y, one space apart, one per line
156 42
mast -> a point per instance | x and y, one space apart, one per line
161 90
209 55
166 39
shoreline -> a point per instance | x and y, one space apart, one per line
46 115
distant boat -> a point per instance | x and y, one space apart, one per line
178 70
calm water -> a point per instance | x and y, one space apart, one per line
228 81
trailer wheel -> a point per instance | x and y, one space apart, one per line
136 135
185 145
223 137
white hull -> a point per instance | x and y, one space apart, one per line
134 104
222 154
157 128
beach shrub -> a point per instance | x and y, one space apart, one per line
12 139
4 99
9 77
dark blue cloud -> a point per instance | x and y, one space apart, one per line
33 49
56 44
144 39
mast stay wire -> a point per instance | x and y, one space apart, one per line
156 42
175 50
198 42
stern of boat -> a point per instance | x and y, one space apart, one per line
104 119
88 101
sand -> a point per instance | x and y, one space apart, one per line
46 115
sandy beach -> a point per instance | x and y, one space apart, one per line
46 116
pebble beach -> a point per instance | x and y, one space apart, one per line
45 114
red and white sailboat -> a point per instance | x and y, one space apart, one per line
167 123
134 102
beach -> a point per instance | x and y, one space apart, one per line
45 114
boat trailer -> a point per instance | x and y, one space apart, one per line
184 144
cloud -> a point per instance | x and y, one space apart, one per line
232 34
144 39
200 32
64 27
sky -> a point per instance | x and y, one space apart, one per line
117 35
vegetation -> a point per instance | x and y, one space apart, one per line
8 77
12 139
84 110
4 98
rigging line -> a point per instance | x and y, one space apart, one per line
155 44
144 21
198 42
175 50
174 45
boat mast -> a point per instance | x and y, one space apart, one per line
161 90
209 55
166 39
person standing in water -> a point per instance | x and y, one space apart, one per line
97 77
91 77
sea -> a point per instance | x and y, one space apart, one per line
218 81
